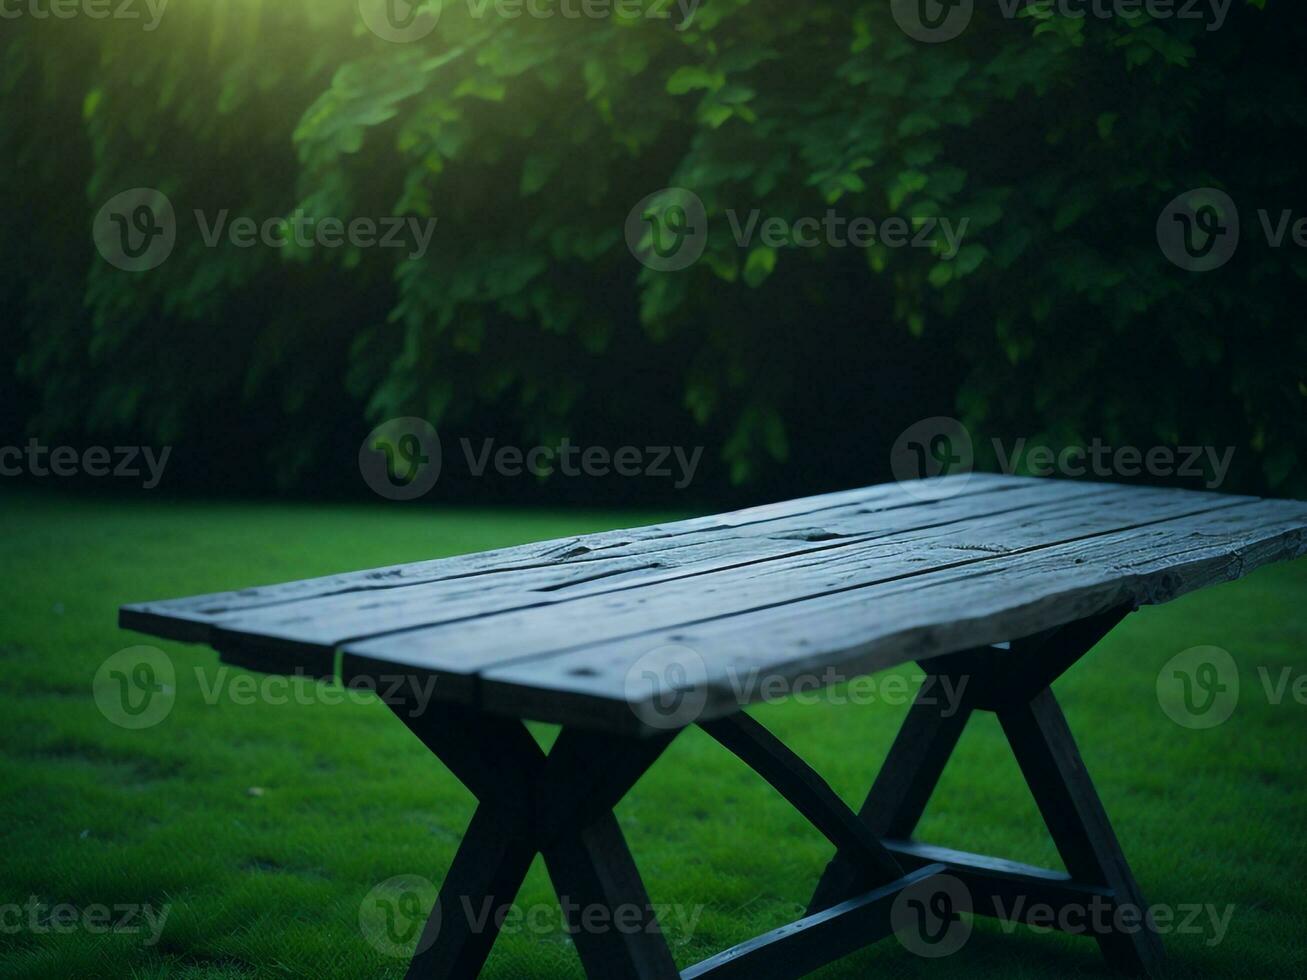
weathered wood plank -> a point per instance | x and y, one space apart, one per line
867 629
853 581
466 647
322 624
188 618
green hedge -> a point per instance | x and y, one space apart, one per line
1058 139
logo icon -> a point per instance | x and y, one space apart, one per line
1199 688
938 446
667 687
932 21
668 230
932 917
400 21
392 915
136 688
400 459
1199 230
136 230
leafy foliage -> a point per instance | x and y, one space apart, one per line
1058 140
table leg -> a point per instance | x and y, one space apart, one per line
486 874
899 795
1042 742
593 870
1012 683
561 806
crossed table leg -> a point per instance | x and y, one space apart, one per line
561 806
1014 684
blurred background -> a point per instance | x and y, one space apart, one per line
529 139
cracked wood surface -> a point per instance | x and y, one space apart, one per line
603 629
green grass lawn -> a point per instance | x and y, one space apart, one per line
263 827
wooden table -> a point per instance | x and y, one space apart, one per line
626 637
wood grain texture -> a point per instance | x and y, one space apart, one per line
1035 519
843 532
189 619
853 582
865 629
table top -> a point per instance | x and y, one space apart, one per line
602 629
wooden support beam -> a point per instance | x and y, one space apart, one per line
807 792
796 949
